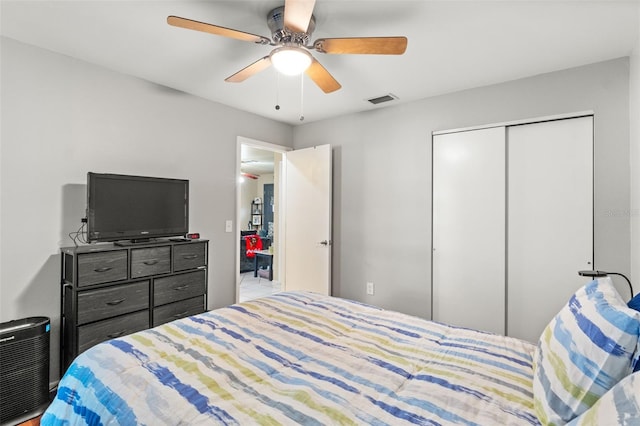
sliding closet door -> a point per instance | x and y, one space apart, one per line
469 229
550 219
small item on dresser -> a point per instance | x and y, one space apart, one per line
192 236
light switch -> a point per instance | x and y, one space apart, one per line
228 226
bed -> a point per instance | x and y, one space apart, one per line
302 358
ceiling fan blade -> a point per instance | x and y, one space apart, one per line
322 78
362 45
250 70
297 14
190 24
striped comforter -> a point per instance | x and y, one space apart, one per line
300 358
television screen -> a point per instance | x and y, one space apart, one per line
121 207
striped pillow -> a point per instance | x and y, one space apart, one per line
585 350
619 405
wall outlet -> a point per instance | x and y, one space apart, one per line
370 288
228 226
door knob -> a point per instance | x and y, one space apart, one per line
325 242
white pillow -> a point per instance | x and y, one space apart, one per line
585 350
620 405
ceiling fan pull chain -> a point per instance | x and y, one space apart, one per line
302 97
277 91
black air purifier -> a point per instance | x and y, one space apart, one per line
24 368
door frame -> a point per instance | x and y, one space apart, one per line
506 125
267 146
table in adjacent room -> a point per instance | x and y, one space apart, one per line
263 254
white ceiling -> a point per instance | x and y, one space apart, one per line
453 45
256 161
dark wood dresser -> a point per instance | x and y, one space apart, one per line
109 291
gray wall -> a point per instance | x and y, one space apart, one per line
62 118
634 113
382 175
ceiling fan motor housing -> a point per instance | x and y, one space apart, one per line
282 35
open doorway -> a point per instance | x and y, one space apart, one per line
259 252
300 254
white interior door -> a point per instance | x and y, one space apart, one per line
469 229
307 223
550 231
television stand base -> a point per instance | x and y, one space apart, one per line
127 243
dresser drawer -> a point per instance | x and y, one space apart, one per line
189 256
150 261
174 311
179 287
94 305
92 334
102 267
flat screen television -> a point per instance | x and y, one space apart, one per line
135 208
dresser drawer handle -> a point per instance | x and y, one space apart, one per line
115 302
189 256
180 315
182 287
150 262
116 334
103 269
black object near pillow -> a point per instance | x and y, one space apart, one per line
635 302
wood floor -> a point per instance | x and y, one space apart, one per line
32 422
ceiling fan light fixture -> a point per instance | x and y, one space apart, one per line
291 60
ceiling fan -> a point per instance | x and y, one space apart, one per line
291 27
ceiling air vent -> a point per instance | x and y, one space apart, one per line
382 99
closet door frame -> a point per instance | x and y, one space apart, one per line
468 232
434 302
550 228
